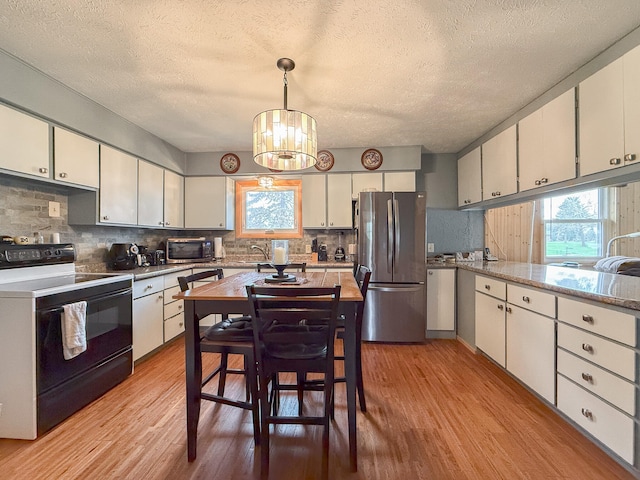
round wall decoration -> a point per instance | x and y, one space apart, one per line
230 163
371 159
325 161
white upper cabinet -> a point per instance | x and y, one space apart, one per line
601 120
314 201
469 178
399 181
366 182
339 214
631 107
118 187
546 143
209 203
173 200
76 159
499 165
24 143
610 117
150 195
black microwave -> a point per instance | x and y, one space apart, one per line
188 250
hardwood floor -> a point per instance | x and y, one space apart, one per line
435 411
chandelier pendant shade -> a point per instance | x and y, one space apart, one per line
285 139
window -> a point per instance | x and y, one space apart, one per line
574 226
269 212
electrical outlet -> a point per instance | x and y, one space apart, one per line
431 247
307 249
54 209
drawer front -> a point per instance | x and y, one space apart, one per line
607 424
490 286
173 327
147 286
169 293
601 320
535 300
171 279
599 381
612 356
173 308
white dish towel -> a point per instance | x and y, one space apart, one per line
74 333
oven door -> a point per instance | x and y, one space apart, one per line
108 330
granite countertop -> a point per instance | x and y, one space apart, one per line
609 288
249 262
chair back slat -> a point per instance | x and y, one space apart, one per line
187 279
291 320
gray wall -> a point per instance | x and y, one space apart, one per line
30 90
449 229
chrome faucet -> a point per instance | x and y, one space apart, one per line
265 250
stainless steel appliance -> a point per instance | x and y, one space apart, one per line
189 250
39 387
392 242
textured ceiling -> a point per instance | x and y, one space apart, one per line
436 73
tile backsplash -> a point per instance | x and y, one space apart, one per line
24 209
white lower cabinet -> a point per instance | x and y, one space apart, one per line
441 299
490 327
609 425
148 316
531 350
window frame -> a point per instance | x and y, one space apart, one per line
604 200
245 186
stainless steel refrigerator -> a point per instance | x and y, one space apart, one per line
392 242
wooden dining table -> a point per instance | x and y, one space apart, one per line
229 295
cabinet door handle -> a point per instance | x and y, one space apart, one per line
160 223
508 310
181 324
167 223
160 297
500 307
614 161
526 299
488 287
587 413
537 182
498 194
587 377
544 180
43 170
106 217
587 318
62 175
430 272
587 348
493 194
630 157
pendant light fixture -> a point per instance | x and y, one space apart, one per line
285 139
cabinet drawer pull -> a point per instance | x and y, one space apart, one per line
587 348
587 318
587 413
148 287
587 377
508 310
526 299
179 307
488 287
181 324
614 161
630 157
500 307
43 170
62 175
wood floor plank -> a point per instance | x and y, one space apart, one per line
434 411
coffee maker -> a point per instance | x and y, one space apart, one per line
339 256
123 256
322 253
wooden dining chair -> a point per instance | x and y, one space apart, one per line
294 332
363 276
230 336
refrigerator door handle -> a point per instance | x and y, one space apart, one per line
396 242
390 243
